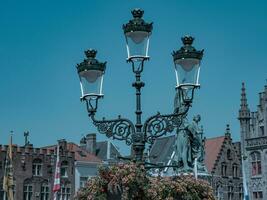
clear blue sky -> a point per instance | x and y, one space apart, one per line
41 42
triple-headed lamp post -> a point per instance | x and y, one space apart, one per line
187 66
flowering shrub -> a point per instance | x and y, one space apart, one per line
130 181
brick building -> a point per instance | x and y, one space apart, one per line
34 171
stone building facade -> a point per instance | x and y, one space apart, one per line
253 132
223 161
34 172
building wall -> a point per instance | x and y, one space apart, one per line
254 134
23 159
83 172
227 184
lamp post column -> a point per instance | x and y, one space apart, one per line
138 137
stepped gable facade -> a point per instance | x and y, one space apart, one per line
223 161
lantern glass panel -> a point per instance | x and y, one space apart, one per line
188 92
91 83
137 44
187 72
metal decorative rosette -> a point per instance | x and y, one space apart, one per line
159 125
120 129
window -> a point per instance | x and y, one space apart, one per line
83 181
37 167
219 191
65 192
64 169
45 191
257 195
261 130
229 156
235 170
224 169
230 192
256 163
27 192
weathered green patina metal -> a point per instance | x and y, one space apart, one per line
137 23
189 145
187 51
140 134
91 63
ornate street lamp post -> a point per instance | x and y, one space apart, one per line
187 65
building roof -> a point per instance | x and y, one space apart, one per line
162 149
80 154
102 150
212 150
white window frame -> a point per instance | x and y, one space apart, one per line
28 191
45 191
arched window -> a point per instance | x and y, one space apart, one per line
230 191
219 191
27 190
37 167
64 169
45 191
229 156
235 170
255 163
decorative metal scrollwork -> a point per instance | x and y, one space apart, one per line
159 125
120 129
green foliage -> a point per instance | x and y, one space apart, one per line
130 181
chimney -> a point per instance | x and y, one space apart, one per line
91 143
63 148
83 143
